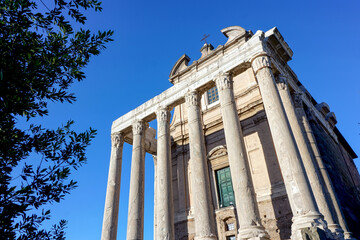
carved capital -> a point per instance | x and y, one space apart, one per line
117 140
192 98
139 127
163 114
223 81
281 82
260 61
298 100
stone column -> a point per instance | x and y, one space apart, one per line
203 207
307 159
155 196
111 212
165 208
299 109
297 186
246 205
135 225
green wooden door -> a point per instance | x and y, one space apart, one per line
225 189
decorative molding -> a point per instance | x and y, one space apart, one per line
223 81
192 98
260 61
216 152
117 139
139 127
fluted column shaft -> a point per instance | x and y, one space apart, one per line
297 186
135 227
202 203
246 206
165 208
303 119
111 212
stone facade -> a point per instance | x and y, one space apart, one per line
289 172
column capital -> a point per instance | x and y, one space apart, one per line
163 114
281 82
139 127
192 98
259 61
223 81
117 139
298 99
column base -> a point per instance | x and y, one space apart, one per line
209 237
310 226
252 233
337 231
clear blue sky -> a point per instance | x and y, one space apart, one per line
149 38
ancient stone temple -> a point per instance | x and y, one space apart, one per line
247 153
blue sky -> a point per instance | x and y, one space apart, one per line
150 36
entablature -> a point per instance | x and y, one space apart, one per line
197 80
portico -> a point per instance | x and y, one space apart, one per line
242 52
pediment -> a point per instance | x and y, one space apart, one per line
180 65
233 32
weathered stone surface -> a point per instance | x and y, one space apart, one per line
247 211
203 210
111 211
164 207
250 130
301 197
311 167
135 225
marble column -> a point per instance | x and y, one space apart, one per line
306 156
135 227
111 212
201 197
302 202
306 128
246 205
165 208
155 196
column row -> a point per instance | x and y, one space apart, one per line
300 175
